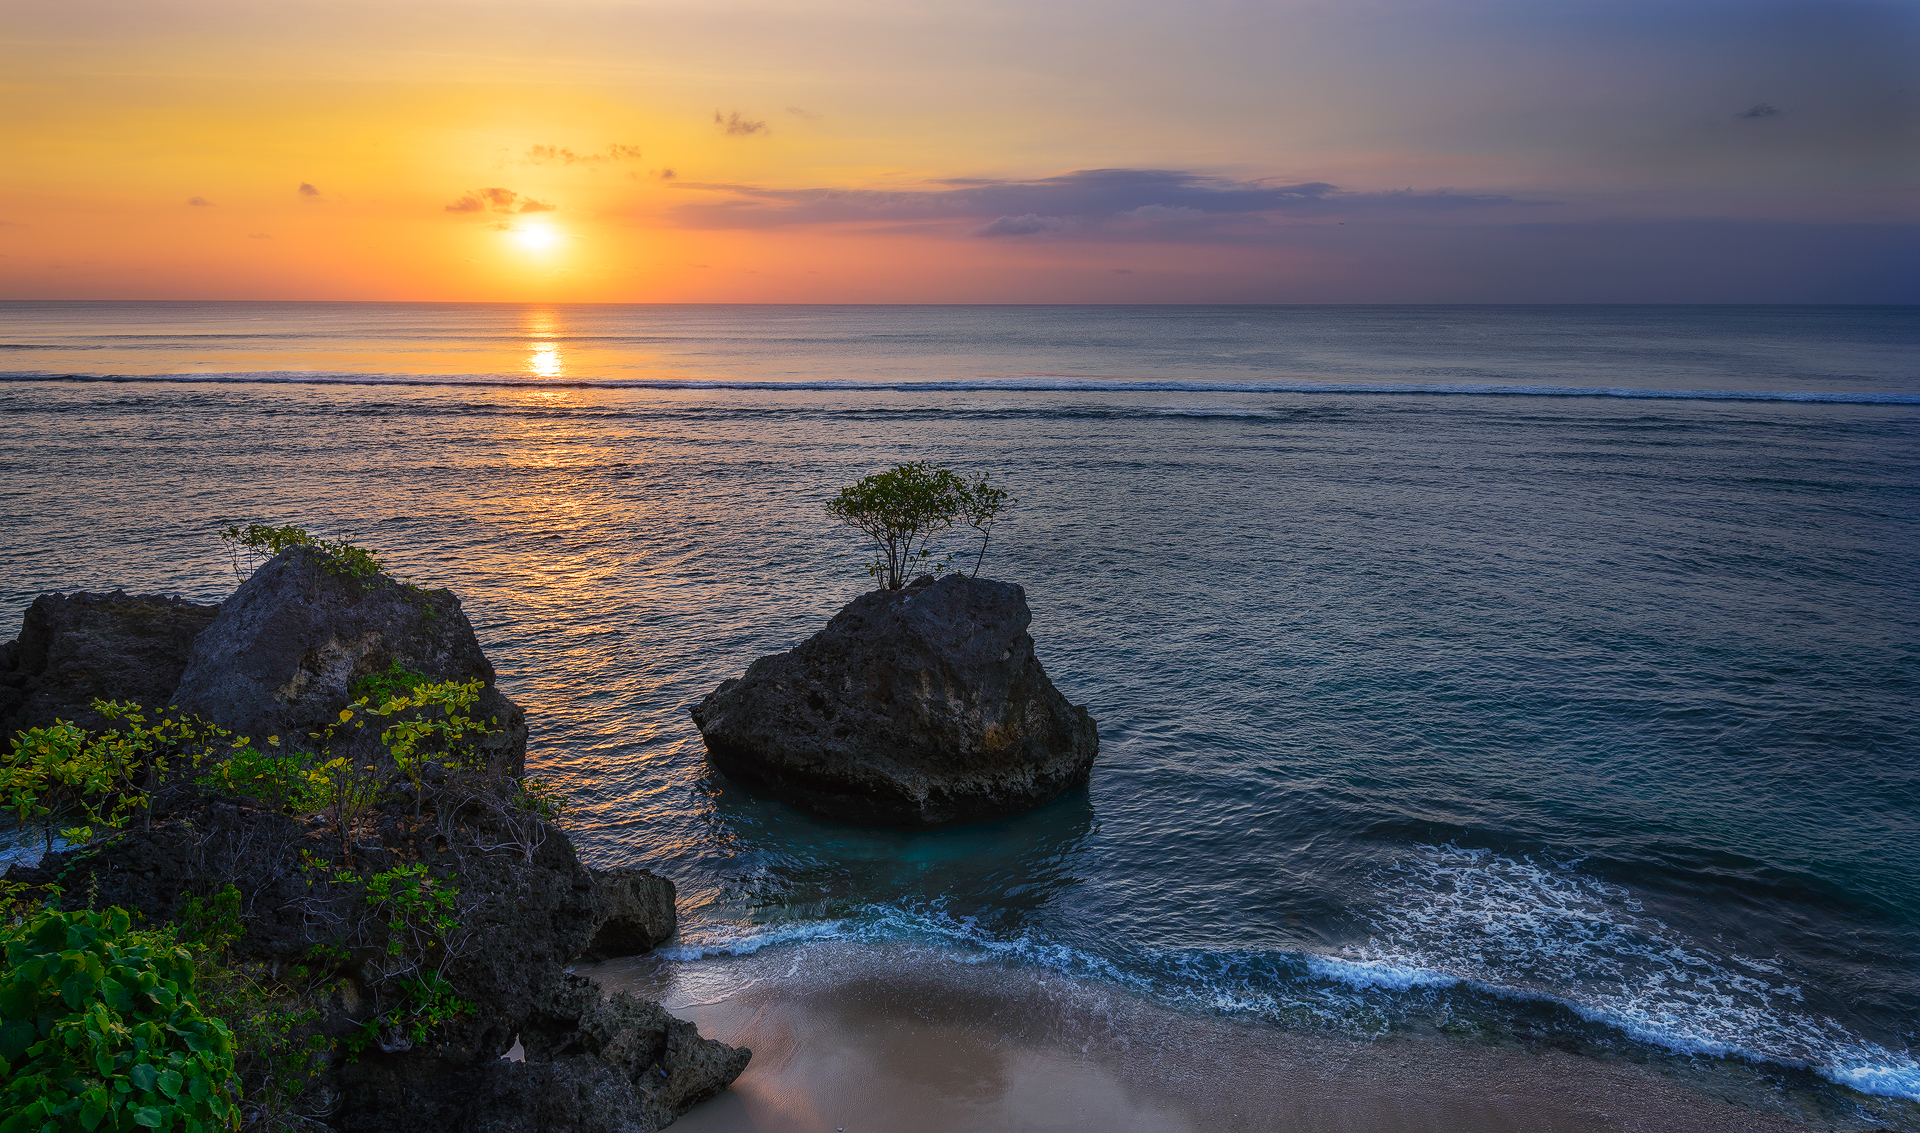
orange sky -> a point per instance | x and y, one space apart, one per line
916 152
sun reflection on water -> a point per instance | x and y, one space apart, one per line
543 352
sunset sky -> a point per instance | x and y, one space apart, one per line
1063 151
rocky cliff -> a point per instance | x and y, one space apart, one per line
280 658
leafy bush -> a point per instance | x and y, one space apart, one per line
391 683
903 508
274 1011
283 780
100 1029
100 779
339 556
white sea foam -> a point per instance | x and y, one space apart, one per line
982 385
722 943
1532 929
1446 917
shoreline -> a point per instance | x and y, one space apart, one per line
856 1038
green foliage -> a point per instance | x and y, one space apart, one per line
427 1001
391 683
282 780
339 556
275 1021
412 929
100 1029
905 507
212 924
540 799
100 779
431 727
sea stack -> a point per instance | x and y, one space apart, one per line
917 707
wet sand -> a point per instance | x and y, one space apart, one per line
861 1044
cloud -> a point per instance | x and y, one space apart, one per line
802 112
307 190
1028 225
1143 203
1163 212
1760 110
667 174
201 203
558 155
258 236
734 124
497 199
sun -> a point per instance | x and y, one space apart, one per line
536 237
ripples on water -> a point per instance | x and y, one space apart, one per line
1513 713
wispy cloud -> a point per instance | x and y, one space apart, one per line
560 155
1028 225
1760 110
200 202
734 124
258 236
307 190
1141 203
498 200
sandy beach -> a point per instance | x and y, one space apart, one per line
849 1041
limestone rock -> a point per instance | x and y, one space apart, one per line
76 647
286 648
636 912
915 707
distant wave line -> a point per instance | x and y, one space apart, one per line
973 385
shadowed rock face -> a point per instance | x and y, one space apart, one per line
613 1065
74 648
282 655
917 707
635 908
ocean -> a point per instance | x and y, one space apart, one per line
1544 675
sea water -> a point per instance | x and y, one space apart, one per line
1541 672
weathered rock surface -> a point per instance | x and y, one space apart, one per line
76 647
915 707
635 908
602 1065
286 648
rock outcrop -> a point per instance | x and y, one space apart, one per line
279 657
916 707
74 648
590 1059
282 656
635 908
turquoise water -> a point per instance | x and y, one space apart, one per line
1568 691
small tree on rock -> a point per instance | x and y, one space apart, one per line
903 508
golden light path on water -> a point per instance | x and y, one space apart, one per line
543 352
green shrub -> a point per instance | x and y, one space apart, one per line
903 508
100 779
283 780
391 683
339 556
100 1030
